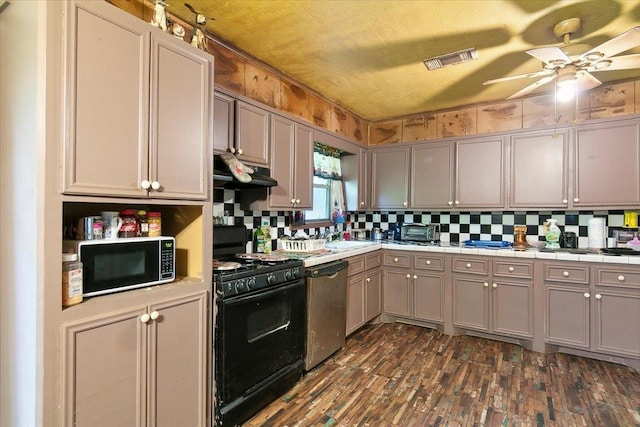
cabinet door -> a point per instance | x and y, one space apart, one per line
252 134
283 155
104 370
432 175
471 303
539 170
480 174
397 294
512 308
223 122
355 302
429 297
364 180
567 316
354 177
107 101
373 282
303 167
181 118
607 165
178 362
390 178
617 316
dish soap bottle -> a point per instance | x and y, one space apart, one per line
552 234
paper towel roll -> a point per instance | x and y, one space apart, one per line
596 232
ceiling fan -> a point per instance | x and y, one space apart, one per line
571 70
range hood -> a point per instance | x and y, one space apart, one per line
223 178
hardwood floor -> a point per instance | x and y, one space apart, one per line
402 375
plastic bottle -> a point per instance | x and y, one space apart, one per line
266 235
347 233
258 240
143 224
71 280
552 234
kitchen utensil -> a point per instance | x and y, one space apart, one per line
376 233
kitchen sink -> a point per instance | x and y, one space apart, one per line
344 245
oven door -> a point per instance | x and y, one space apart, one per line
258 335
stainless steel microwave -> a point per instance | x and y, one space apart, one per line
114 265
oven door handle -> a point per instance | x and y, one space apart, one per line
239 299
259 337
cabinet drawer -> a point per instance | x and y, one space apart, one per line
397 259
618 276
471 265
372 260
566 273
356 265
429 262
520 269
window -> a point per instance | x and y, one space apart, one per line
321 200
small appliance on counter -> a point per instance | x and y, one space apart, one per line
520 237
420 232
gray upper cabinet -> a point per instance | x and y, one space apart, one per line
390 178
432 177
607 165
539 170
356 180
224 123
252 134
139 113
480 173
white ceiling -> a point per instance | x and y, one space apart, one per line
366 55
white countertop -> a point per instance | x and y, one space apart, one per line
335 255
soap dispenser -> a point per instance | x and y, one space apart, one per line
552 234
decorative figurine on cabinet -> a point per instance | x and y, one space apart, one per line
159 18
197 36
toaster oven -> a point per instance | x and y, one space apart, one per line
420 232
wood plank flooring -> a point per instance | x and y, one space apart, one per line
403 375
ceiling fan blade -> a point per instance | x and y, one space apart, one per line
626 62
620 43
532 87
519 76
586 81
550 55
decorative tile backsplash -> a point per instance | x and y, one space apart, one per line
454 226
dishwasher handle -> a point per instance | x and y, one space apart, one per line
327 269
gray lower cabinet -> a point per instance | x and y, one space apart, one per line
493 295
413 285
364 298
124 135
144 365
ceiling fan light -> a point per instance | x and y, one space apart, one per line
566 88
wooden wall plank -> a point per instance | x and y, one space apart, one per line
319 112
389 132
540 111
229 68
262 85
295 100
612 100
500 117
420 128
458 123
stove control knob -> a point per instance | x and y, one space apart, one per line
288 275
271 279
297 272
251 283
240 286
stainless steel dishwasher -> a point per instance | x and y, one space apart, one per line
326 311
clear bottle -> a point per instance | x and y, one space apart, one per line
258 240
266 233
155 224
143 224
71 279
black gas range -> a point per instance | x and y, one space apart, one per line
259 326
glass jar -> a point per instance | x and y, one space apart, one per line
143 224
155 224
71 280
129 223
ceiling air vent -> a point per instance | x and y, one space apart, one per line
451 58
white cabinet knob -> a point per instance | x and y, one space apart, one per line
576 200
145 318
495 285
565 201
428 262
368 279
293 201
450 202
240 151
485 284
145 185
361 203
511 269
468 265
297 201
587 295
621 278
457 202
155 185
408 276
232 150
598 296
565 273
395 260
404 204
154 315
415 277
